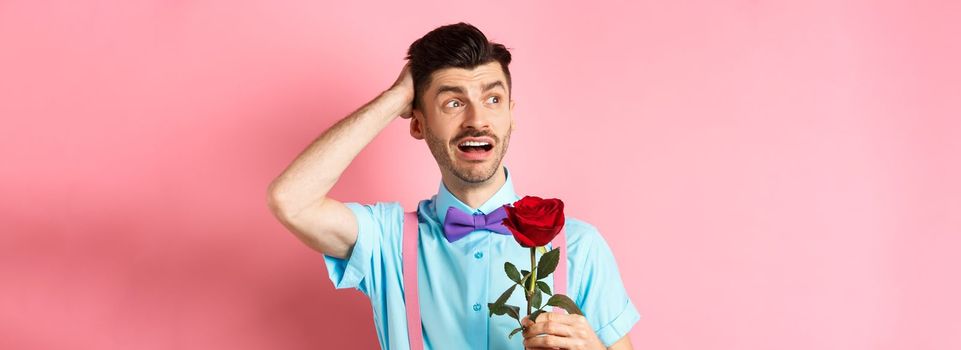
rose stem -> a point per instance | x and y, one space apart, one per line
530 280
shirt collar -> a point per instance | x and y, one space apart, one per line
445 199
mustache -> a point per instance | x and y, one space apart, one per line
460 138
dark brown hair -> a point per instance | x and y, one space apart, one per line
458 45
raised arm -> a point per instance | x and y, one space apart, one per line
298 197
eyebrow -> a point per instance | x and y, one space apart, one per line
458 89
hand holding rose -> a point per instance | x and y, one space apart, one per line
560 331
534 222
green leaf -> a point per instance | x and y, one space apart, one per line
496 309
544 287
536 299
542 249
505 309
548 263
523 281
518 329
536 313
504 296
513 311
562 301
512 272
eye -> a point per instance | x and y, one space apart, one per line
494 99
453 104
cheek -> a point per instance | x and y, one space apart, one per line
438 136
506 128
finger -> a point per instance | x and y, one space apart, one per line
569 319
547 341
549 328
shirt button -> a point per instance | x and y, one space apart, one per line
479 255
477 307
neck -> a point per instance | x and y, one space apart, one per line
474 194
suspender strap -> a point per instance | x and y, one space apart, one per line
411 301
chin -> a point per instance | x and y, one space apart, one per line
476 172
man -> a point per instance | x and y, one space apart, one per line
455 89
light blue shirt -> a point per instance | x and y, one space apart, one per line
458 279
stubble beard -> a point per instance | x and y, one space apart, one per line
445 156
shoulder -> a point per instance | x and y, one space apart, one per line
589 253
377 209
379 218
581 235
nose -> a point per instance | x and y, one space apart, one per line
476 117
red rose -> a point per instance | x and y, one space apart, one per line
535 221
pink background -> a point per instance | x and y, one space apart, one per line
769 175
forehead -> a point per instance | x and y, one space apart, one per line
469 79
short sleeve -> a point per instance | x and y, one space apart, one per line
601 293
373 221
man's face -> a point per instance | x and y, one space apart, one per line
466 120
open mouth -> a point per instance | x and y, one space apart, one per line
470 146
475 149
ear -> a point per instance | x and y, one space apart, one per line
416 125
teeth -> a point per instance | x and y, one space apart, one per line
474 143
